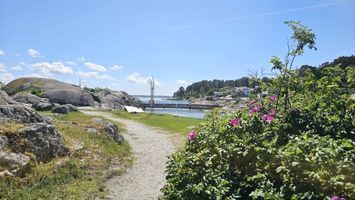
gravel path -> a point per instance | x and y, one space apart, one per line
147 175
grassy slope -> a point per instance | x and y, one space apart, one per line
79 176
172 123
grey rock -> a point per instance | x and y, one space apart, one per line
55 91
27 98
113 131
116 100
76 97
15 163
45 142
20 114
43 106
3 142
61 109
5 99
110 129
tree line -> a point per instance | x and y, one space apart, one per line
207 87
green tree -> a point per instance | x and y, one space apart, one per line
180 93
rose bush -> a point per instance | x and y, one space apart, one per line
257 160
297 143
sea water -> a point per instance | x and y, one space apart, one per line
172 111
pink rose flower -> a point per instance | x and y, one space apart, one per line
256 108
234 122
337 198
192 135
268 118
273 98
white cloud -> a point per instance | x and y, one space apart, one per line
182 82
116 68
3 68
139 79
54 67
6 77
2 53
72 63
17 68
95 67
33 52
92 75
34 75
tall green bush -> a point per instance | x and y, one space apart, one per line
296 144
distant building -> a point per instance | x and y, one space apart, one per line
244 91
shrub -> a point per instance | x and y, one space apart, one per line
262 156
296 144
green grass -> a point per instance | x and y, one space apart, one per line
82 174
172 123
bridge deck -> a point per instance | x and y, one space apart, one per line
184 106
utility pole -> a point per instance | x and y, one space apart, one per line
152 88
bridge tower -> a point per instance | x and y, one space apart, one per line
152 91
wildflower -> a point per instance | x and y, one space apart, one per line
256 108
273 98
251 102
192 135
337 198
234 122
268 118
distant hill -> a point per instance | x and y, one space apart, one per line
342 61
206 87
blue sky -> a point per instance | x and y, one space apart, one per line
120 44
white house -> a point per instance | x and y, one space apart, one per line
245 91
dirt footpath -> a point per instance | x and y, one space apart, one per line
147 175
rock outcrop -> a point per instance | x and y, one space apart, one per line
24 131
55 91
116 100
69 96
44 141
43 106
25 90
5 99
20 114
28 98
110 129
64 109
61 110
13 163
